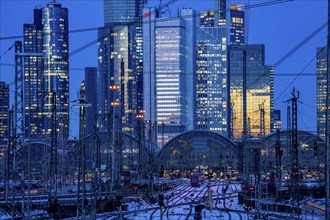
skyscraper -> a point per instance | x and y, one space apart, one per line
277 120
33 79
211 73
4 110
237 24
220 12
321 91
206 19
169 73
214 18
120 63
46 82
250 86
91 94
122 11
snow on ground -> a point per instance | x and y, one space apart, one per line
184 194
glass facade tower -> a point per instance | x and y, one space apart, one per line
46 82
211 72
33 77
169 73
251 88
321 91
120 64
122 11
237 24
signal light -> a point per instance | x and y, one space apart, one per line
247 208
315 148
251 188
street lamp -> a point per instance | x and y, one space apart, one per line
140 117
114 104
82 104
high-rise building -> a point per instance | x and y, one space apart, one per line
169 73
119 11
321 91
120 64
237 24
220 12
91 94
211 82
4 110
214 18
33 77
277 121
206 19
46 78
251 91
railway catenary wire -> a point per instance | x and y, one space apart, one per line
245 7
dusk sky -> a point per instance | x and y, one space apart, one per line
280 27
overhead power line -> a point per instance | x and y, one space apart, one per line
246 7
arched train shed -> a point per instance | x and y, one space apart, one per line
311 153
199 148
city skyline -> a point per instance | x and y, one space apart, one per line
272 58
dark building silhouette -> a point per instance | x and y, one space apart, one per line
90 95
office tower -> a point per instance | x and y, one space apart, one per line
56 66
4 110
120 64
115 68
211 73
220 12
33 77
46 83
122 11
250 88
206 19
91 94
214 18
237 24
321 91
277 122
169 73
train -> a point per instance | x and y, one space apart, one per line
35 188
196 179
